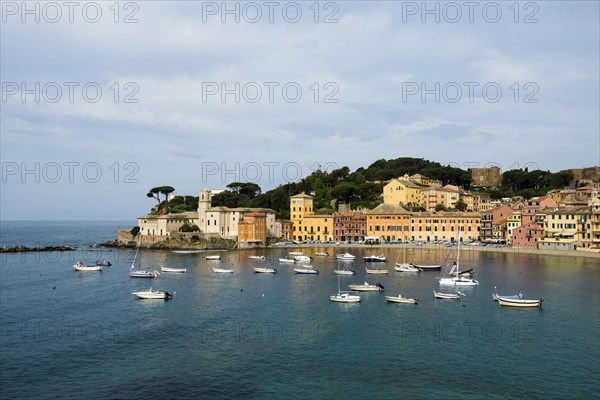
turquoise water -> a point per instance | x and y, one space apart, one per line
83 335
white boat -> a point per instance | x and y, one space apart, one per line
400 299
307 269
344 297
406 267
141 272
187 251
446 295
346 257
295 253
322 254
213 257
80 266
344 272
286 261
429 267
302 258
222 270
257 258
173 270
511 297
375 259
366 287
265 270
508 302
152 294
376 271
456 277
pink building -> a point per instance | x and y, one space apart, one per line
527 235
533 205
493 217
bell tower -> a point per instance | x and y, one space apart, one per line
204 199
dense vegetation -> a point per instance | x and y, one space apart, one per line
363 187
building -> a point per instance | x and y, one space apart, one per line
252 229
401 191
495 218
307 225
568 228
527 235
513 222
444 226
216 221
388 222
486 203
595 223
534 205
486 177
446 196
349 226
284 230
471 200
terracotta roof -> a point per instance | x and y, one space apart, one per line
388 209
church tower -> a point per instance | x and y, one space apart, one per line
204 199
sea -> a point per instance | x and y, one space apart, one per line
74 335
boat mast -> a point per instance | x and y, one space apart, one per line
458 257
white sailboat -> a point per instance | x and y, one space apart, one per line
344 297
458 278
366 287
173 270
405 266
141 272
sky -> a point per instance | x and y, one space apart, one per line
102 101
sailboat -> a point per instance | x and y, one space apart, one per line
342 270
404 266
458 278
141 272
344 297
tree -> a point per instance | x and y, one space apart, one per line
440 207
461 205
155 192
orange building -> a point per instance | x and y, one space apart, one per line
444 226
388 222
253 228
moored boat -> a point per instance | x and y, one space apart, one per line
346 257
257 258
376 271
302 259
213 258
286 261
507 302
446 295
265 270
152 294
80 266
222 270
400 299
406 267
366 287
375 259
173 270
345 298
307 269
344 272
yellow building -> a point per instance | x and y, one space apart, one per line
432 196
512 223
307 225
595 223
401 191
567 228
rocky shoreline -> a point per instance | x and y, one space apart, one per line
24 249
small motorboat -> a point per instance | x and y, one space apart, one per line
322 254
286 261
507 302
302 259
429 267
213 258
222 270
376 271
295 253
366 287
173 270
400 299
259 258
344 272
103 263
152 294
80 266
346 257
307 269
511 297
375 259
345 298
265 270
446 295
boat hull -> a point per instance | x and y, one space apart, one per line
174 270
85 268
265 270
305 271
406 268
365 288
152 294
522 303
344 272
222 271
399 299
430 267
142 274
376 271
344 298
213 258
445 295
458 282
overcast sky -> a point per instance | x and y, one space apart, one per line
101 103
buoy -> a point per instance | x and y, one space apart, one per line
53 287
